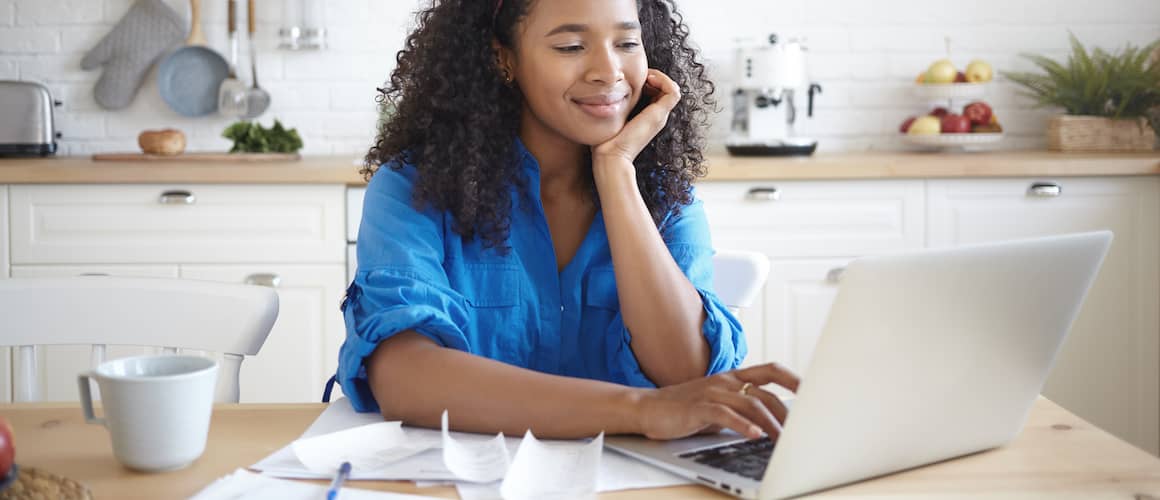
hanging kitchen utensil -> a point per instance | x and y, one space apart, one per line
189 78
232 92
147 32
257 100
303 25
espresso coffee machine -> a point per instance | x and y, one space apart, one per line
771 85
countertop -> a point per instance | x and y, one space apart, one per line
343 170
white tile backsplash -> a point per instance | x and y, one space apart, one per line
865 54
58 12
9 69
82 38
29 40
7 12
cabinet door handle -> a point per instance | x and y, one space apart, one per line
94 274
834 276
763 194
1044 190
177 198
264 279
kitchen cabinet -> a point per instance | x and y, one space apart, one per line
815 218
1108 371
289 235
799 294
807 228
139 224
5 353
301 352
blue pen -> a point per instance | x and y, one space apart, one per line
343 473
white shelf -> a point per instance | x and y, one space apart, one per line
950 90
952 141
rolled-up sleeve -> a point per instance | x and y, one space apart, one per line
400 284
687 237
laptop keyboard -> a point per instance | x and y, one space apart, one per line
745 458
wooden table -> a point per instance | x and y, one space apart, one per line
1056 455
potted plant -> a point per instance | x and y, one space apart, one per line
1110 100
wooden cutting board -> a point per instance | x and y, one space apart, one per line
205 157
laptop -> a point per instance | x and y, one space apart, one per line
925 356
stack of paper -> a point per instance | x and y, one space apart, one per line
477 464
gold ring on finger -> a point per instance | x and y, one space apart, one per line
744 391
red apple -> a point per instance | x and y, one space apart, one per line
961 77
955 124
978 112
7 448
906 124
939 112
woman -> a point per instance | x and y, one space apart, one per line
532 255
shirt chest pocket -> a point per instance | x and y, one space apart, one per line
493 293
600 290
490 286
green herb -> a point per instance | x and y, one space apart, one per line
1120 86
251 137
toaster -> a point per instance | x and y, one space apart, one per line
26 126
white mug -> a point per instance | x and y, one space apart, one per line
157 408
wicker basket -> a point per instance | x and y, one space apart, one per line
1093 134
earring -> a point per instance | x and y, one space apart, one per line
507 75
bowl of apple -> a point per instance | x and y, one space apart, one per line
976 125
942 80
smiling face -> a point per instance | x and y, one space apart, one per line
580 66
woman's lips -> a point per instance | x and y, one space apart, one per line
602 106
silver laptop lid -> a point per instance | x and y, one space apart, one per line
931 355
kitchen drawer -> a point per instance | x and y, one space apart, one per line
142 224
964 211
816 218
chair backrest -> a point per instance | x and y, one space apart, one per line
174 314
738 277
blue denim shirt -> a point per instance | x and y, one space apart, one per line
415 273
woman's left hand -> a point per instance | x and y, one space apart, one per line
642 128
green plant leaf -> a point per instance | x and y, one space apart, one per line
1124 84
251 137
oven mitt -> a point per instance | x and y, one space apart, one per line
150 29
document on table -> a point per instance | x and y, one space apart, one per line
245 484
553 470
476 462
325 453
615 471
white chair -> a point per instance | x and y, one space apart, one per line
227 318
738 277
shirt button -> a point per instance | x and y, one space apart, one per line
561 308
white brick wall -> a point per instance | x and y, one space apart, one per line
864 53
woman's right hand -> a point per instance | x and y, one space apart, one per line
715 402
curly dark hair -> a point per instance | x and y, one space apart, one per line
456 120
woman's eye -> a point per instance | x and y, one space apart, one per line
569 48
629 45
